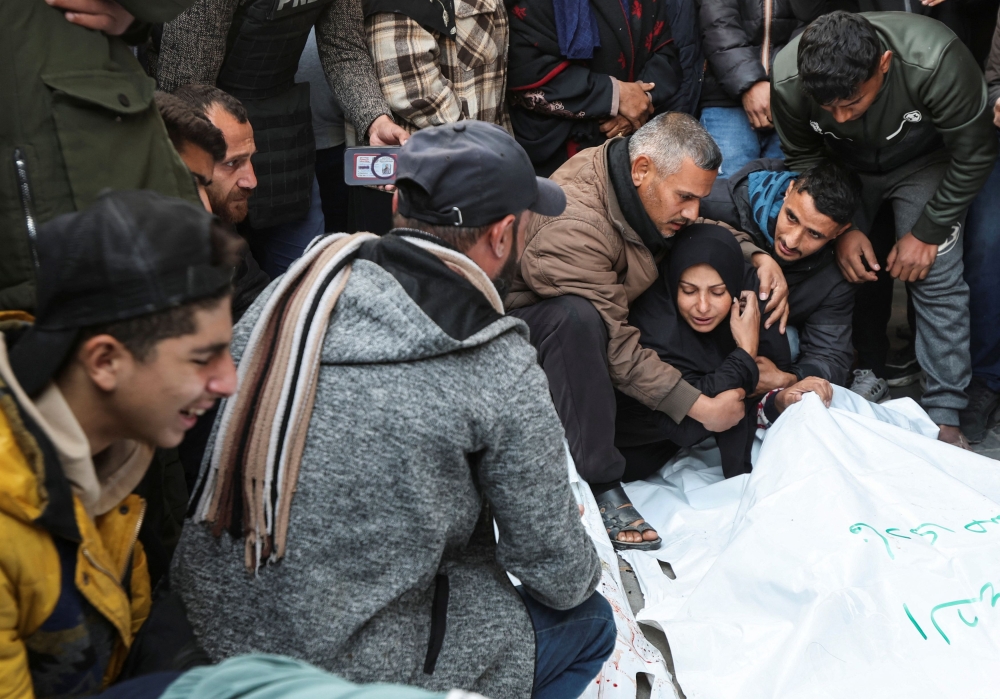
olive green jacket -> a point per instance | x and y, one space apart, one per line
933 97
77 117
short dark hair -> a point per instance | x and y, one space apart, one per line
141 334
185 125
461 238
837 52
835 190
202 97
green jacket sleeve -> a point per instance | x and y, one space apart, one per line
803 147
955 96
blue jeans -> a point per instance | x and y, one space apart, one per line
982 262
570 646
279 246
739 142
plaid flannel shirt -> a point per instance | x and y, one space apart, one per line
430 79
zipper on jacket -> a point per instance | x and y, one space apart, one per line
93 562
128 558
765 49
135 538
27 205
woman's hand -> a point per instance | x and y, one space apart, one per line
744 321
810 384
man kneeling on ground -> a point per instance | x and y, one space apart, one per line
794 217
582 270
427 420
131 343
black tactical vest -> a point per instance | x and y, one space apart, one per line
263 49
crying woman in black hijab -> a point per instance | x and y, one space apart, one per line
703 317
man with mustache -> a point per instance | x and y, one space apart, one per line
233 179
582 269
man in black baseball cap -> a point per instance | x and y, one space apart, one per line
470 184
428 419
130 345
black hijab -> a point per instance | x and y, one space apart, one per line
655 312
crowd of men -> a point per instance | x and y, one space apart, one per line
260 433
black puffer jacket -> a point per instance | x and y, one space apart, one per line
734 33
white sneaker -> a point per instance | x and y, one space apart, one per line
869 386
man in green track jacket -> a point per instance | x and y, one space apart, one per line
77 117
900 99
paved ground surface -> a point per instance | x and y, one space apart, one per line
988 447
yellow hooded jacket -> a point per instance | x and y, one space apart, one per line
44 639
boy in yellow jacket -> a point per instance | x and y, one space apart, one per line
130 345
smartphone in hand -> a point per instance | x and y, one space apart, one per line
371 165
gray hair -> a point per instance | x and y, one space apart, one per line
671 137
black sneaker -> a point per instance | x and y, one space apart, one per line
903 358
980 415
903 375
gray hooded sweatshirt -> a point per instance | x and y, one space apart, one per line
432 419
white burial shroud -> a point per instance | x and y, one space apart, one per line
860 558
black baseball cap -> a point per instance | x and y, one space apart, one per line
474 173
128 254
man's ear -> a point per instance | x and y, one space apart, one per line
103 359
843 229
642 167
883 64
395 202
501 237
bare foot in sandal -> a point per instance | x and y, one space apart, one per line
625 526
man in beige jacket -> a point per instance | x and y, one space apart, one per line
580 272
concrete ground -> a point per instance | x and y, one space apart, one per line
988 447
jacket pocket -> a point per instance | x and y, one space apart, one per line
439 623
110 133
477 29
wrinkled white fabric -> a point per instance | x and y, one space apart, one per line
850 514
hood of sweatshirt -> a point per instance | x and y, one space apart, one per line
408 298
100 481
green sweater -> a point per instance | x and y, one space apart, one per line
934 97
77 117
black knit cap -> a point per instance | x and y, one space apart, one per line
128 254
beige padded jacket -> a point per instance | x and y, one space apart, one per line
592 252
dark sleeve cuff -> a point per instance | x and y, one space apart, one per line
927 231
137 33
771 407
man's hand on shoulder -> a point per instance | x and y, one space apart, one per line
720 413
771 377
101 15
910 259
853 251
773 289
